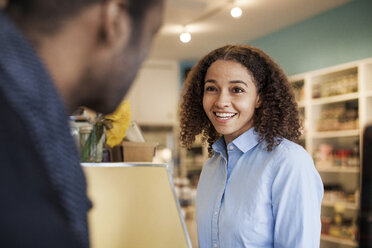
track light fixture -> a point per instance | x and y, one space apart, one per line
185 37
236 12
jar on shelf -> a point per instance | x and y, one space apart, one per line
326 223
84 134
316 91
354 82
92 140
342 157
75 133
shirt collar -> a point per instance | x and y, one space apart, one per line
219 146
244 142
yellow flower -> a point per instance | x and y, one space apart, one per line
120 119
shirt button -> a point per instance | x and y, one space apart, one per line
215 213
231 148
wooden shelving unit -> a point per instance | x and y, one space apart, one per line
340 241
347 205
343 93
339 170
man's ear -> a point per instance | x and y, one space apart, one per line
115 23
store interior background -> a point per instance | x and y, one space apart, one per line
309 38
314 42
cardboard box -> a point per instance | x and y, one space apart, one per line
133 152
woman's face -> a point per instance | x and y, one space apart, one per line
230 98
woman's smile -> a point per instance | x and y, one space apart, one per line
223 116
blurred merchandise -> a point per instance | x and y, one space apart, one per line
338 116
92 142
326 156
117 123
134 133
185 194
84 132
75 133
334 86
133 152
339 225
323 156
326 223
91 131
334 193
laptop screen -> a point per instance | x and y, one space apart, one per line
134 205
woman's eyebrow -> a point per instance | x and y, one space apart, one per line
238 82
210 81
231 82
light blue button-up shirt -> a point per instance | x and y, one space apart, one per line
250 197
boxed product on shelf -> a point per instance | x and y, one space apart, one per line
336 85
339 225
343 231
345 157
338 116
326 156
334 193
133 152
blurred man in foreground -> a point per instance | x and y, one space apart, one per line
54 57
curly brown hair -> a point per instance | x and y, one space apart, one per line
276 118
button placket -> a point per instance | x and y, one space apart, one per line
215 217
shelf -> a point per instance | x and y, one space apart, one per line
194 168
340 169
337 240
334 99
347 205
337 134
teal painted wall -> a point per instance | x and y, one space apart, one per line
334 37
185 65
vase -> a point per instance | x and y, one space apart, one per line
92 145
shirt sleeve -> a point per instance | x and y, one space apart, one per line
297 192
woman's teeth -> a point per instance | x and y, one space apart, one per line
224 115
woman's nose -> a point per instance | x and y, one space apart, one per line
223 100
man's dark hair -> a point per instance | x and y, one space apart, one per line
47 16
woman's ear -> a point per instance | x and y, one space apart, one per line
258 101
115 23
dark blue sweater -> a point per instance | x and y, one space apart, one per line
43 201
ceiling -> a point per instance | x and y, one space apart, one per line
260 17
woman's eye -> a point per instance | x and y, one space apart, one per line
237 90
210 88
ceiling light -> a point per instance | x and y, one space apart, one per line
236 12
185 37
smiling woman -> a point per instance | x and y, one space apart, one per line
230 98
259 188
275 118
